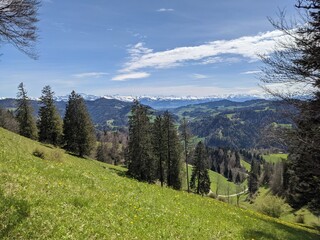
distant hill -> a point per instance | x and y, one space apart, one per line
235 124
222 123
105 113
63 196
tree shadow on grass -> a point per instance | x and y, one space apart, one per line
291 233
119 172
12 212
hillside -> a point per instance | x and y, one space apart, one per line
236 125
69 197
105 113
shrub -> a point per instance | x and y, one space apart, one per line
212 195
39 153
52 155
272 206
300 218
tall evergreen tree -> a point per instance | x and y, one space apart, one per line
185 133
160 148
140 156
296 63
78 130
200 180
173 152
24 111
253 183
50 123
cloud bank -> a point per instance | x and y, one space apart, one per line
247 47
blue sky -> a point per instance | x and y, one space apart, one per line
145 47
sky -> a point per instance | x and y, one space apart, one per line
146 47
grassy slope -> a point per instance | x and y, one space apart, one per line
219 180
288 215
84 199
276 157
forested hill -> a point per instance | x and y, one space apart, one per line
105 113
222 123
236 124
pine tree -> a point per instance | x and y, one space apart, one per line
78 130
140 156
50 123
24 111
160 148
253 183
185 133
296 64
173 152
200 180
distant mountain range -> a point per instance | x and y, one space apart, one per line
168 102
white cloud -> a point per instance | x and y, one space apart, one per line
247 47
199 76
252 72
165 10
132 75
90 74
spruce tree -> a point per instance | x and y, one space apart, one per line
253 183
173 152
140 156
24 111
185 133
160 148
78 130
50 123
296 64
200 180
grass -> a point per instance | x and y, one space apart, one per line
288 214
84 199
274 158
246 165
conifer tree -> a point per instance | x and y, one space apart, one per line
78 130
200 180
296 64
185 133
24 111
50 122
160 148
140 156
253 183
173 152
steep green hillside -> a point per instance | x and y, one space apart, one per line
70 198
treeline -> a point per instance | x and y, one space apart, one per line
227 163
155 152
75 132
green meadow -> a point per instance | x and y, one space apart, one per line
65 197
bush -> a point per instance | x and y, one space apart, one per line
52 155
212 195
272 206
39 153
300 218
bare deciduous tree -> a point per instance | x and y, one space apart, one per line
18 20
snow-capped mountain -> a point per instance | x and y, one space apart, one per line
165 102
